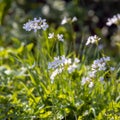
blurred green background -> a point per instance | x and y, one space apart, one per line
92 16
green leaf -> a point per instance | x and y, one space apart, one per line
2 7
46 114
29 46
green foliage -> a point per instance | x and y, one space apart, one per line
26 90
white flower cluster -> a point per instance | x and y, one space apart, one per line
59 36
87 80
61 63
92 39
55 73
114 20
66 20
35 24
84 80
73 66
58 62
97 66
100 64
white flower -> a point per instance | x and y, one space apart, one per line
8 72
112 68
85 80
55 73
60 37
74 19
64 21
114 20
86 113
100 47
35 25
92 39
102 68
91 74
51 35
91 84
76 60
65 60
101 79
106 59
72 68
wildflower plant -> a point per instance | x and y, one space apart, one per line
60 64
99 69
46 81
35 24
